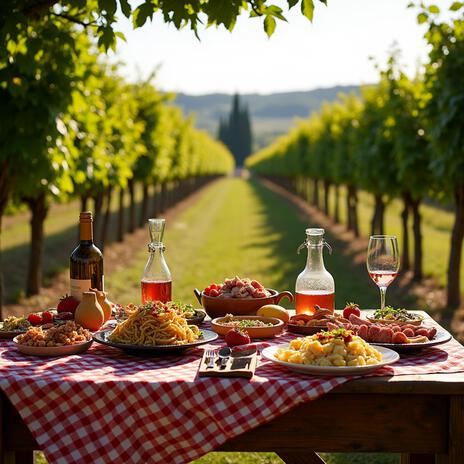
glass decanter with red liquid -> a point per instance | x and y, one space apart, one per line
156 280
315 285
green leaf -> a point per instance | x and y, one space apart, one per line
141 14
307 8
269 25
456 6
422 18
125 7
434 9
120 35
108 5
292 3
324 2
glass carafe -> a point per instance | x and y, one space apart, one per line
315 285
156 280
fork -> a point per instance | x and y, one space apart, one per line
210 355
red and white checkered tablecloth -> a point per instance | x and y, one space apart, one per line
105 406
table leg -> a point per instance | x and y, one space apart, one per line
455 453
300 458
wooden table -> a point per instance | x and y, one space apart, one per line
421 417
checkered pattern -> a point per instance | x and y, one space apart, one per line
106 406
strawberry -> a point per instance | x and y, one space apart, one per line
236 337
47 317
67 304
214 292
35 319
351 308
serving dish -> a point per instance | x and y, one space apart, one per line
442 336
198 318
253 332
150 350
9 334
218 307
64 350
388 357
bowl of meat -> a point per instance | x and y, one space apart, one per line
238 297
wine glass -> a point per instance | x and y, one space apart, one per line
383 262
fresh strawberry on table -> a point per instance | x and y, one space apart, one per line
47 317
35 319
235 337
351 308
67 304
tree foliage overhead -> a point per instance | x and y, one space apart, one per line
100 15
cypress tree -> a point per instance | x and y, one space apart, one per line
235 131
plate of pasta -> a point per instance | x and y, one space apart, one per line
338 352
154 328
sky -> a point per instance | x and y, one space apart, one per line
333 50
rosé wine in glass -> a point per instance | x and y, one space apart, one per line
383 262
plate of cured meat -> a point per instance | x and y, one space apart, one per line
401 338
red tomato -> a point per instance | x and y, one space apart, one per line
351 308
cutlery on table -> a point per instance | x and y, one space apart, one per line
210 355
224 355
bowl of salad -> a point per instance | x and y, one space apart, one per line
400 316
254 326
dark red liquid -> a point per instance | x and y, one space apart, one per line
305 301
383 278
156 291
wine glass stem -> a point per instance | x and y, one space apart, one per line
383 291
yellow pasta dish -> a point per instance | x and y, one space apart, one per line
153 324
335 348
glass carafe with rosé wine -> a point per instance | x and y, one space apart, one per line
315 285
156 280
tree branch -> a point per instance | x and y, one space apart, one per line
73 19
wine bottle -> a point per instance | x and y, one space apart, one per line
86 261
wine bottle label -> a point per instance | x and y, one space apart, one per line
79 286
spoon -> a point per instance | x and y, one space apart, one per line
224 355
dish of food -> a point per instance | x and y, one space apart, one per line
389 315
103 337
406 337
63 339
154 323
238 296
310 324
338 352
13 326
254 326
192 315
237 288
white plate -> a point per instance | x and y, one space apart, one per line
442 336
388 357
64 350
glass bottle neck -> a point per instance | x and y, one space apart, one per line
315 260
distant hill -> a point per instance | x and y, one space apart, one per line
271 114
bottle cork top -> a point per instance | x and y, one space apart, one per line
85 216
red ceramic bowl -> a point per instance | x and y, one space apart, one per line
218 307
